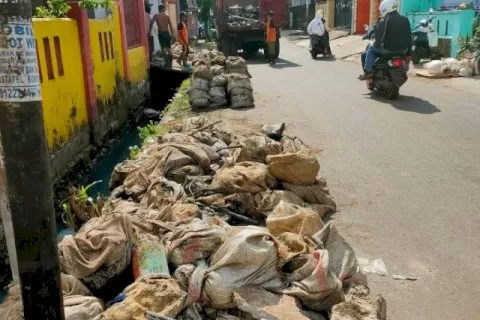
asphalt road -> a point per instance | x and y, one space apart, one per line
406 174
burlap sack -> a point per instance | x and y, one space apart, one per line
243 177
161 296
287 217
192 242
100 250
314 194
298 168
247 257
261 204
241 101
159 161
256 148
200 84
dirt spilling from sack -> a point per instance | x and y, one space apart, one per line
214 226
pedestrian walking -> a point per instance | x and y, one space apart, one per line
148 20
270 37
182 38
166 34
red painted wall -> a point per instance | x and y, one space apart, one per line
363 15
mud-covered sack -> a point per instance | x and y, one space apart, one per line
195 94
299 167
291 144
314 283
241 101
243 177
256 148
176 137
218 102
238 81
202 71
100 250
292 245
247 258
179 175
238 91
288 217
200 84
261 204
195 123
320 277
160 296
200 103
219 81
159 161
217 92
217 69
192 242
162 192
315 193
235 62
358 305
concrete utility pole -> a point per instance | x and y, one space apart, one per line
26 192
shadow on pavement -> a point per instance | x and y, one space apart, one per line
326 59
282 64
408 103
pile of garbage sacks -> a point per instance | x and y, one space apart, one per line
462 68
208 225
219 82
243 16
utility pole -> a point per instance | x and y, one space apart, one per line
26 191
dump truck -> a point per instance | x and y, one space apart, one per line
238 24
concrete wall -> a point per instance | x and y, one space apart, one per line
90 80
63 91
450 25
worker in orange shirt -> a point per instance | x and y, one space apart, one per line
182 37
270 37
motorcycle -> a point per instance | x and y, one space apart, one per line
425 41
317 46
389 71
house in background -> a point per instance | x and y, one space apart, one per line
450 20
301 13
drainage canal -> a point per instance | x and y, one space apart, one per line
100 164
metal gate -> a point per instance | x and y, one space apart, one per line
343 13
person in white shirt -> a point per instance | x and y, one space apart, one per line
319 27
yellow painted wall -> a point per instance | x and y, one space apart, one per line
137 64
106 70
64 101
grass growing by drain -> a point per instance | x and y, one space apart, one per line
178 109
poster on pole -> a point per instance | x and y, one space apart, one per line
19 75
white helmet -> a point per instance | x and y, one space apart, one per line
388 6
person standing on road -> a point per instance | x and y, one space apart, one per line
165 34
182 38
270 37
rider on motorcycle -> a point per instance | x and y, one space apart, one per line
319 27
392 34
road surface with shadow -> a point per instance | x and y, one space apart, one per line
405 174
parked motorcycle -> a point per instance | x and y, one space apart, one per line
317 46
389 71
425 41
